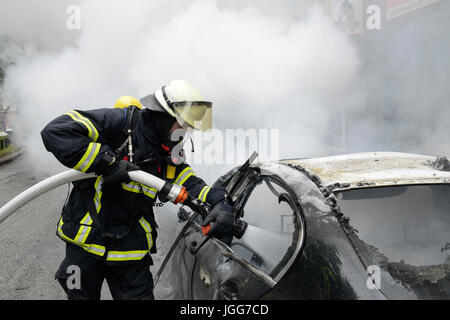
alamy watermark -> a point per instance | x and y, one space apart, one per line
374 280
73 282
229 146
73 21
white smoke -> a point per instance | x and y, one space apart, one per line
39 25
265 64
263 68
260 70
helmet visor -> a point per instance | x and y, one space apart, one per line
194 114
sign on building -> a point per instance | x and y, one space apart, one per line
396 8
347 15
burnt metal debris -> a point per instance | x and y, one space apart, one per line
441 163
429 282
330 198
332 262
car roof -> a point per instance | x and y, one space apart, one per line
373 169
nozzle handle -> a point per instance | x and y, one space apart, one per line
206 229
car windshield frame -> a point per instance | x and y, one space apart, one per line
244 192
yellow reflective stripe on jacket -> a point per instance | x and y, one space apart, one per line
148 230
132 187
149 192
184 175
88 158
98 194
92 131
134 254
92 248
139 188
86 223
84 229
126 255
204 193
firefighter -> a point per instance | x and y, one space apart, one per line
108 222
127 101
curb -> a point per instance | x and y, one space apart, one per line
11 157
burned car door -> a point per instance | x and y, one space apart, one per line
251 266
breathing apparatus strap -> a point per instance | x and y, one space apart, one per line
96 221
131 117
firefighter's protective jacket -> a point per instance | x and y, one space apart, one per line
79 140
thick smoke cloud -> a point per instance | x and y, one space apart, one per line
261 70
264 66
36 24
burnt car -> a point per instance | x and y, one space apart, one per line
358 226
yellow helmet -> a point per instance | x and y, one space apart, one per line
126 101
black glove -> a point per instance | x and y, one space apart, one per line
118 172
221 220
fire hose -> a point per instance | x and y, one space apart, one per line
174 193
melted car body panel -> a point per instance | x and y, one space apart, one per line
327 259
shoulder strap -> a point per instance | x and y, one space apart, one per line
131 115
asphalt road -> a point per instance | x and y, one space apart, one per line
30 251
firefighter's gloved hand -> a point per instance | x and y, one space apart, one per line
118 172
221 220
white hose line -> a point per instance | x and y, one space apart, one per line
66 177
147 179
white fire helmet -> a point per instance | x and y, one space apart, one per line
184 102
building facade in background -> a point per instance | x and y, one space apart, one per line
7 114
403 97
397 8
